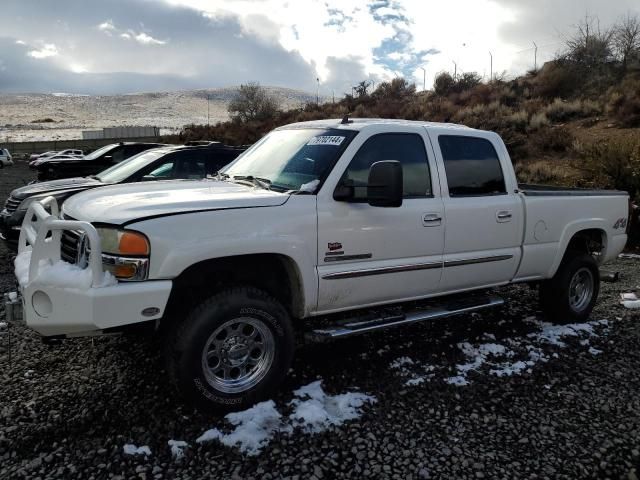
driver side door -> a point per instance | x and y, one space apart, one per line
373 255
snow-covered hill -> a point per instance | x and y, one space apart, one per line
73 113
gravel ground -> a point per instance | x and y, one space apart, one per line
67 411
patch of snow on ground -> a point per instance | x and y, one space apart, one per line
177 448
553 333
254 430
320 411
313 410
130 449
629 255
401 362
631 304
487 353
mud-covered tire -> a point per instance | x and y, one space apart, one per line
569 297
231 331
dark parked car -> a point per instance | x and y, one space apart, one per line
91 163
165 163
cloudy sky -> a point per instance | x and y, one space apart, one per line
119 46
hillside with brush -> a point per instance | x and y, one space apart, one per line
574 122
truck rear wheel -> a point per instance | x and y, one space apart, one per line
232 350
571 294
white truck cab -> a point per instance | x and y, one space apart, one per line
326 220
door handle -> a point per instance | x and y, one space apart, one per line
431 219
504 216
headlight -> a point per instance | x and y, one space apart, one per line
125 253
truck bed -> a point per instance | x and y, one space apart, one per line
532 190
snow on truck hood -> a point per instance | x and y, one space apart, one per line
119 204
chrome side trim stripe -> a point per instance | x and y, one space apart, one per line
345 258
471 261
405 268
378 271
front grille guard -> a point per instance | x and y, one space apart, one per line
42 230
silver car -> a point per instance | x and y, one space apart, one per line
5 158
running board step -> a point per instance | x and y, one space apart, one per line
395 318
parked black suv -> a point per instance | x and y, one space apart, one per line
93 162
165 163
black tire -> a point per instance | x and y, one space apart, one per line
562 304
249 308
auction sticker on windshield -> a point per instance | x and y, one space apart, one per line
326 140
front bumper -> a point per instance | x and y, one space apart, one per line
64 308
56 311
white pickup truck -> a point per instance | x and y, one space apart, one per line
327 229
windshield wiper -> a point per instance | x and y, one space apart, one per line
257 181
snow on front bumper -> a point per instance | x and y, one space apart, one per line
64 299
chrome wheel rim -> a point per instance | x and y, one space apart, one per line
238 355
581 289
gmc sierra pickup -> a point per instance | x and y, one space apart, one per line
321 230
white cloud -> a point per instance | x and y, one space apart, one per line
48 50
107 27
145 39
343 29
125 36
20 42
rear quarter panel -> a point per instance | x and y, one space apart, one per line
551 222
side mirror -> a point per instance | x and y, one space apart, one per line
385 184
343 193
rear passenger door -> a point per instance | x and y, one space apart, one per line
483 214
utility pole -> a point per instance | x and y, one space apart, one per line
424 78
491 69
318 91
333 96
208 109
535 57
455 69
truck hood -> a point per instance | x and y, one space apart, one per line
119 204
53 186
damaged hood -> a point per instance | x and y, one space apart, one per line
118 204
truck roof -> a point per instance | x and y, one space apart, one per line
360 123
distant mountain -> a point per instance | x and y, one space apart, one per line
22 114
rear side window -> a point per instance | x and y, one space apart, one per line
472 166
407 148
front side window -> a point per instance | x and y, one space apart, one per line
472 166
292 159
407 148
162 171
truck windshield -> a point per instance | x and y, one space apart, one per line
292 159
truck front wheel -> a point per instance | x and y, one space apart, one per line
571 294
232 350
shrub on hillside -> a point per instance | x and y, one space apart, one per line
557 79
561 110
444 84
538 120
613 164
548 140
624 102
545 173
